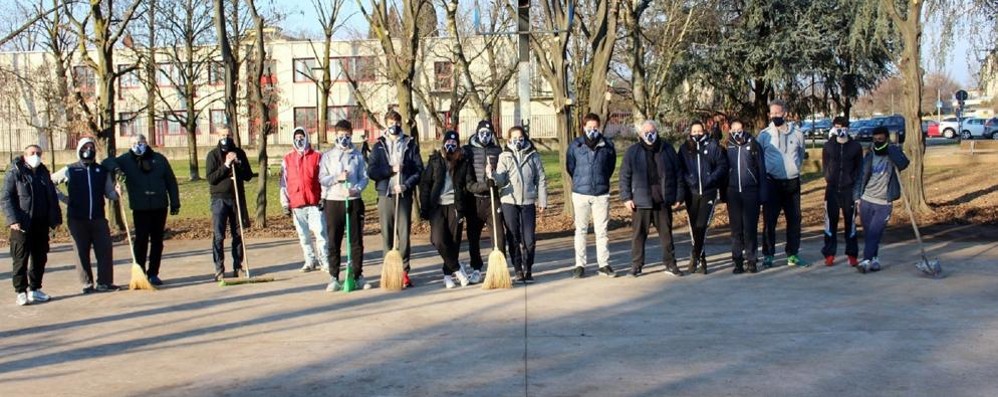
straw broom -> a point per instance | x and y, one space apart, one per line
242 232
140 281
497 276
392 272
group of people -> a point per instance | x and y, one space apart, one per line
483 185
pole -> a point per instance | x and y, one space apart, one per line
523 83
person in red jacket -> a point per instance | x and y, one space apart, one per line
301 197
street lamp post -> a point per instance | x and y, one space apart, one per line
317 75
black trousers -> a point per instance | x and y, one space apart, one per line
480 217
840 201
149 228
92 234
223 214
445 235
336 225
743 215
521 227
784 195
643 219
700 209
33 244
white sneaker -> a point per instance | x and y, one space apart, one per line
22 298
363 283
449 282
475 277
307 267
334 285
38 296
462 277
325 269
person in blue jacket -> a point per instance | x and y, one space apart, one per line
590 162
783 147
877 187
704 167
746 190
649 187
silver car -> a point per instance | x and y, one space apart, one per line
972 128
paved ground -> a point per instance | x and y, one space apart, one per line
784 332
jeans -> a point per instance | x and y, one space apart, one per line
310 221
784 196
223 214
597 208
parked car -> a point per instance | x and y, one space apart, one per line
930 129
991 128
816 129
894 124
861 130
972 127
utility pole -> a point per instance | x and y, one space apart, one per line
523 84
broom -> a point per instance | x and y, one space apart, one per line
392 272
239 215
928 267
497 276
139 278
348 284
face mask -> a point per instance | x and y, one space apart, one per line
485 136
517 143
450 147
299 144
841 132
592 133
738 135
394 130
33 160
698 138
225 144
879 148
651 136
778 121
87 154
343 141
139 149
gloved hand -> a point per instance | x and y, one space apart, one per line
287 211
175 211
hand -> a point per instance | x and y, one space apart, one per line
343 176
677 205
540 210
175 211
17 227
396 169
231 158
287 211
322 205
117 189
488 169
354 192
630 205
399 189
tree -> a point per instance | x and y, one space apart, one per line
256 95
593 50
230 27
551 52
328 12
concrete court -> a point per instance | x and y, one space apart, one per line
783 332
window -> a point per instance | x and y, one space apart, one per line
443 76
127 124
306 117
166 75
216 117
365 68
336 69
171 124
216 73
129 79
303 69
83 79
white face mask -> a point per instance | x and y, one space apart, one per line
33 160
139 148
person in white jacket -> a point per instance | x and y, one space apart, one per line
523 194
343 176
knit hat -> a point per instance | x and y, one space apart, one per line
451 135
485 124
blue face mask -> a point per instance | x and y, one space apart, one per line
592 133
394 130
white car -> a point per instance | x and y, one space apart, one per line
972 127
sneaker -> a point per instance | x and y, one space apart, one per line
38 296
406 282
518 277
673 270
739 268
829 260
607 271
752 268
154 280
306 268
107 288
88 290
692 268
475 277
364 284
703 269
334 285
853 261
461 277
22 298
635 272
528 277
863 266
219 275
449 282
578 272
794 261
325 269
767 262
875 265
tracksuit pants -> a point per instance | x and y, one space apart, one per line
388 220
95 234
150 225
700 209
480 217
641 222
336 214
445 235
784 196
874 217
521 225
743 215
31 244
839 201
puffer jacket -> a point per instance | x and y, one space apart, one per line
746 168
893 186
704 167
152 187
591 169
379 167
431 183
335 161
17 197
634 168
520 177
477 153
87 186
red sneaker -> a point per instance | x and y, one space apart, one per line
830 260
406 283
853 261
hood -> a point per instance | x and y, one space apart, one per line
79 146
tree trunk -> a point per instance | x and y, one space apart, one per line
230 70
263 111
911 101
192 146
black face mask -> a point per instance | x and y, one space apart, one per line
879 149
701 139
87 154
778 121
225 145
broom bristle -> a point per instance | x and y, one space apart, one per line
139 279
237 281
392 272
497 275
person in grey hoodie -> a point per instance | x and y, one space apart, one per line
523 193
88 184
783 149
343 176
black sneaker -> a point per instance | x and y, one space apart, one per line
578 272
739 267
528 277
154 280
692 268
752 267
88 290
107 288
702 269
607 271
673 270
635 272
519 278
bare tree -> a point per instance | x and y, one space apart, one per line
231 26
262 106
551 52
593 50
328 13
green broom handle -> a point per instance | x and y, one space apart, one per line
349 246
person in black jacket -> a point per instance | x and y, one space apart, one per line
442 202
222 161
649 186
842 162
482 152
745 192
704 167
31 208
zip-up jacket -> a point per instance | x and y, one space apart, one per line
634 184
87 185
220 176
431 183
842 164
20 187
704 167
747 167
784 153
151 185
380 167
337 160
520 177
476 153
591 169
899 160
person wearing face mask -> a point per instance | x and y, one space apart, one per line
519 176
841 161
301 199
590 162
483 153
395 166
343 176
649 188
703 168
876 188
88 183
152 189
746 190
443 204
783 148
31 208
222 162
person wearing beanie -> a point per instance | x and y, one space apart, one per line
88 183
523 193
301 199
395 166
876 188
704 167
783 148
841 161
649 188
343 176
152 189
744 193
31 208
442 203
222 161
482 152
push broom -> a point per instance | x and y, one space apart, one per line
929 268
497 275
139 280
239 215
392 272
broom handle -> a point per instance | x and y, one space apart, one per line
124 217
911 215
492 205
239 217
395 233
